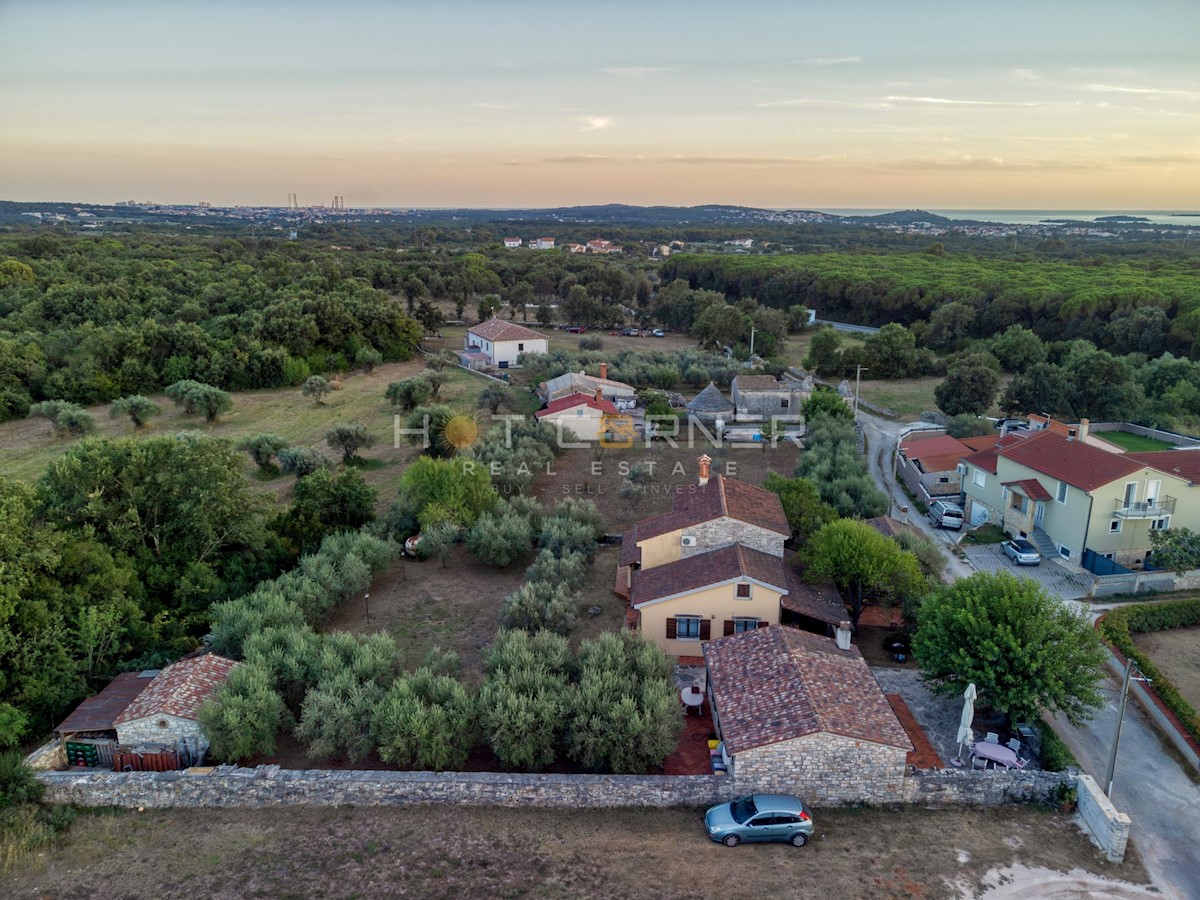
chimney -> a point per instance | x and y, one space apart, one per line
705 468
599 395
843 635
1083 429
604 370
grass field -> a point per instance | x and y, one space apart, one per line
461 852
1174 651
1132 443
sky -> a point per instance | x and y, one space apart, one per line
817 105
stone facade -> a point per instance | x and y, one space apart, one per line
724 531
782 405
229 786
167 730
1100 819
826 769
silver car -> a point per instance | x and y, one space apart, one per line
760 817
1021 552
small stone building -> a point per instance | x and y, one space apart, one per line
164 714
798 715
711 406
759 398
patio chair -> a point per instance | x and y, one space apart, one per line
1014 745
978 762
1022 763
992 738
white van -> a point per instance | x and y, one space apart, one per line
944 514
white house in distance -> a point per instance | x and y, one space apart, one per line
504 341
542 243
512 243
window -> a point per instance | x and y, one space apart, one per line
1064 551
1061 496
943 480
783 404
1114 527
979 478
1130 494
687 628
520 347
1160 524
1004 493
1152 490
743 591
741 626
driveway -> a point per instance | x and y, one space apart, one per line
1058 580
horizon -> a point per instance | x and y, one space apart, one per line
1079 106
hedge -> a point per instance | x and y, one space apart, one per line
1119 626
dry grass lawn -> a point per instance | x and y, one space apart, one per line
1174 652
458 852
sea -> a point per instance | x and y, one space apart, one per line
1034 216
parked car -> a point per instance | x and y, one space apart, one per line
575 329
1022 552
944 514
760 817
1011 424
630 332
658 332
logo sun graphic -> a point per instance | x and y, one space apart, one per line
461 432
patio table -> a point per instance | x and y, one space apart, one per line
693 698
995 753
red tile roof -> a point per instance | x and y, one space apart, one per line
1030 487
99 713
983 459
1183 463
939 445
719 498
1079 465
776 684
180 688
499 330
981 442
816 601
606 407
701 570
630 552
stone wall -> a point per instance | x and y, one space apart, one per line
161 729
1100 819
724 531
825 769
229 786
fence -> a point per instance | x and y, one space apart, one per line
1144 582
1170 437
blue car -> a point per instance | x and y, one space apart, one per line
760 817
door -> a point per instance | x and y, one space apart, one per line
1152 490
979 514
1039 514
762 827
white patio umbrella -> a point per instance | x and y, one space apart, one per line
968 714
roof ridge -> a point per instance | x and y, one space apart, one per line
801 676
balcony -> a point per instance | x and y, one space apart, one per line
1152 509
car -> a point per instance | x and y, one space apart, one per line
575 329
945 514
629 332
1011 424
760 817
658 332
1022 552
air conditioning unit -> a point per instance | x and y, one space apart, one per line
688 540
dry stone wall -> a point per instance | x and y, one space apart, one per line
825 769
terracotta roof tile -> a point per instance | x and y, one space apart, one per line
1080 465
775 684
180 688
630 552
1183 463
703 569
720 497
981 442
939 445
1030 487
983 459
499 330
572 400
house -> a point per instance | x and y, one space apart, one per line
929 463
715 564
504 341
741 242
1077 501
758 398
542 243
581 383
584 416
512 243
600 246
151 710
576 248
711 407
793 708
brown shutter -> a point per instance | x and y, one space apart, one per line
705 629
762 623
728 627
670 629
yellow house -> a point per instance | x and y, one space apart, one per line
580 415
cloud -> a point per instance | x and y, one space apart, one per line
637 71
813 103
1125 89
1000 164
582 160
830 60
1022 75
594 123
946 101
495 107
747 160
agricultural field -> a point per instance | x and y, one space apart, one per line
454 852
1174 651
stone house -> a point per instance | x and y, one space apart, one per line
929 463
164 714
793 708
710 406
758 398
1077 501
580 383
503 342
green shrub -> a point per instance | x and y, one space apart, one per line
540 606
301 461
425 720
524 700
244 715
562 536
1055 756
235 620
500 539
263 448
18 784
569 569
335 718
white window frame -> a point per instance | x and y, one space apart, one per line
679 629
1153 496
1063 492
1004 494
1114 527
1160 524
1128 499
743 624
979 477
1064 551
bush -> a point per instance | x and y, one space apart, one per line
540 606
235 620
335 718
301 461
263 448
51 410
569 569
316 387
291 657
499 539
76 422
425 720
368 358
244 715
195 396
349 437
524 700
439 541
139 409
591 343
409 393
18 783
1055 756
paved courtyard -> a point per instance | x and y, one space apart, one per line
1056 578
937 716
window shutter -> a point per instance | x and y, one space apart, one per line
670 629
763 623
728 627
705 629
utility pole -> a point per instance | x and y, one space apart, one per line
858 383
752 342
892 486
367 605
1112 759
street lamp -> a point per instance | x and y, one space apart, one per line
1112 759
